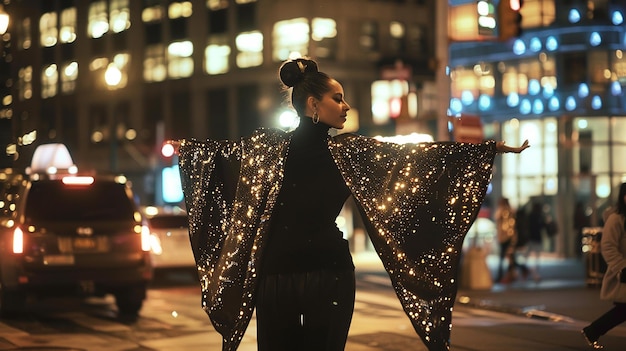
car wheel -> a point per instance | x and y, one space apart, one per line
12 303
129 300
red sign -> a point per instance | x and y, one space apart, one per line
468 129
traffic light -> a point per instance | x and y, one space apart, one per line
168 154
509 19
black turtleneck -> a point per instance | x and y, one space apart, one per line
303 235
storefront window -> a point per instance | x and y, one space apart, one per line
591 150
534 172
618 133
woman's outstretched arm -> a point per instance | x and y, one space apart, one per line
502 148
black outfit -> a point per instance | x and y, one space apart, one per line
609 320
306 294
417 202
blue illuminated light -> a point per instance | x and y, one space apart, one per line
595 39
455 105
512 100
616 88
548 90
617 18
535 44
537 106
467 97
596 103
552 43
574 16
484 102
570 103
583 90
519 47
171 188
554 104
525 107
534 87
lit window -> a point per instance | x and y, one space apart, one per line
325 34
216 4
49 80
154 67
180 62
120 16
48 29
245 1
25 83
369 36
68 25
69 74
179 10
23 31
250 47
290 36
387 98
152 14
397 32
98 20
216 55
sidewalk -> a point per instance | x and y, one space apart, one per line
561 293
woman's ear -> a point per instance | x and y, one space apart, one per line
311 105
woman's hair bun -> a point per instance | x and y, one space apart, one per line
293 71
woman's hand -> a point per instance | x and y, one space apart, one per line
501 148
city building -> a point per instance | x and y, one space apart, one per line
559 83
113 79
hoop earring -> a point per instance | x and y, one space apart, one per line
316 118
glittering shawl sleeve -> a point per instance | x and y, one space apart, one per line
230 189
418 202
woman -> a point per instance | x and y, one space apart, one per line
506 228
613 248
266 237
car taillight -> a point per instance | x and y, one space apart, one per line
18 241
145 238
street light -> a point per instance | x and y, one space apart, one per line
4 20
112 78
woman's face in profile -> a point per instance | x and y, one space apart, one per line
333 108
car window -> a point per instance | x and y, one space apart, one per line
100 201
174 221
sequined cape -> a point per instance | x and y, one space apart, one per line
417 201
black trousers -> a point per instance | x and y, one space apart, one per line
308 311
607 321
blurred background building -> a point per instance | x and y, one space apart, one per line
113 79
553 73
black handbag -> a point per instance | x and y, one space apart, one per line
622 276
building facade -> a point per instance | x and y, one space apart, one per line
113 79
560 84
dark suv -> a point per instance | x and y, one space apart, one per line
71 235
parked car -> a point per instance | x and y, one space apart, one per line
72 236
171 247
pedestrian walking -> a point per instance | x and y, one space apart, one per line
534 246
506 229
613 248
266 237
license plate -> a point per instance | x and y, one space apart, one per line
85 244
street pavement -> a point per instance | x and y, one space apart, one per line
543 315
527 314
